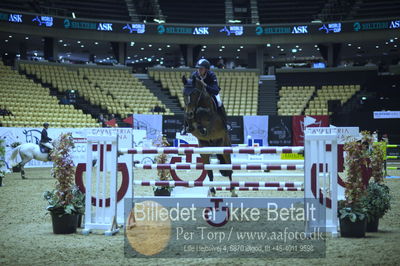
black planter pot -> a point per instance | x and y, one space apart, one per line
162 192
16 169
65 224
352 229
372 225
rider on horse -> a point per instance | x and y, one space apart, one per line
210 82
44 138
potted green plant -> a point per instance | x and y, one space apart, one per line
2 163
352 212
377 200
66 202
16 168
163 174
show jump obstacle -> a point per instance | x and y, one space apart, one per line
320 174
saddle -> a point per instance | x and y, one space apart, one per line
43 148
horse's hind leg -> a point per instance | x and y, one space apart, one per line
206 160
226 159
22 165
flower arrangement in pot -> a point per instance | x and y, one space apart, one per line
377 200
163 174
66 202
352 212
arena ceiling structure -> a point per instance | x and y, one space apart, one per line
248 32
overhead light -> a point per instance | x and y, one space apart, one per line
73 15
60 40
78 42
234 21
278 46
220 50
202 50
391 40
358 47
9 36
149 59
219 57
317 49
395 38
268 45
377 46
237 57
142 48
150 45
96 43
132 44
282 50
241 47
35 54
82 46
238 50
297 46
386 43
316 46
294 50
363 98
108 58
26 38
316 21
159 20
204 46
65 44
168 45
222 46
395 45
300 49
159 49
6 40
349 44
5 53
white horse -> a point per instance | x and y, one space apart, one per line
30 151
27 152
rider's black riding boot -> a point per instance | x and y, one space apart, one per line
186 128
224 117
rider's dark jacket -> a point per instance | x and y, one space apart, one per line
210 79
44 138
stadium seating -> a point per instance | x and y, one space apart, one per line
286 11
31 104
126 89
114 90
377 9
239 89
319 104
206 11
293 99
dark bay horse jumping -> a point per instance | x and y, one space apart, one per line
206 124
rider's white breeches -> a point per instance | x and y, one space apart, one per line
219 101
48 145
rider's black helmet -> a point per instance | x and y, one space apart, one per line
45 124
203 63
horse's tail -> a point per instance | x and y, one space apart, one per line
14 155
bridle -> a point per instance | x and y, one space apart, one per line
201 91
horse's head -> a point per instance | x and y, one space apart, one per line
192 94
